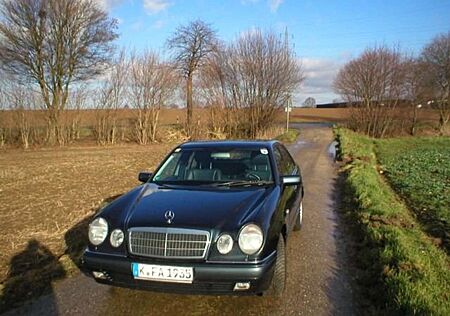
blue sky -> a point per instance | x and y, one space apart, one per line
324 34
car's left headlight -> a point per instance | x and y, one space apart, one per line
98 230
250 239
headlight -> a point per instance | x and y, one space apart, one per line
98 230
250 239
116 238
224 244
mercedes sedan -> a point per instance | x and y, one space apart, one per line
214 218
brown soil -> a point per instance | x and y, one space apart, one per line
319 115
43 193
339 115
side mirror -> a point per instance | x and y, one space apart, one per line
144 176
291 180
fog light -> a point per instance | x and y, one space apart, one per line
241 286
99 275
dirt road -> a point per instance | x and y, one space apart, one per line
318 283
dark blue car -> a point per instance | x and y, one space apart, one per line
213 219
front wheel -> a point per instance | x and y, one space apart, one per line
278 284
299 218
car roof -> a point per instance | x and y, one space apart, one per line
229 143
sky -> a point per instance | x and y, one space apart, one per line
325 34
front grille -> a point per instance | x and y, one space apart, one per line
168 242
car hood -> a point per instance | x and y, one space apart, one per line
196 207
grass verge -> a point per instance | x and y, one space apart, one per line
403 272
289 137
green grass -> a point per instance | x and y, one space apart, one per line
404 273
289 137
419 170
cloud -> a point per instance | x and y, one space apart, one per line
319 73
137 25
275 4
159 24
108 4
155 6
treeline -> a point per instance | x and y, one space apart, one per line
59 55
381 78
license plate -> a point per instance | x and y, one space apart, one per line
162 273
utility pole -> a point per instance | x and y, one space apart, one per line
288 109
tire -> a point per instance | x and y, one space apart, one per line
299 218
278 284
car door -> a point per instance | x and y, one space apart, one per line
293 169
290 194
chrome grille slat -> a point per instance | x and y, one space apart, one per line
168 242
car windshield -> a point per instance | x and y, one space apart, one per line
216 165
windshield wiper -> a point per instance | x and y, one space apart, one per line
239 183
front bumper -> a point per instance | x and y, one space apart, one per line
209 278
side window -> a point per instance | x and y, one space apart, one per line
279 160
290 168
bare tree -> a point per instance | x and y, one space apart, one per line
53 43
152 84
372 85
21 101
76 103
309 102
213 93
252 78
111 98
192 43
416 90
436 56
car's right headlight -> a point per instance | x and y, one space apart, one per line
250 239
98 230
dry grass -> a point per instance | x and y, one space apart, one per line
44 193
172 120
271 133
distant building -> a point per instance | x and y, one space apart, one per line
332 105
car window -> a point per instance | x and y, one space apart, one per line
170 167
290 166
279 160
